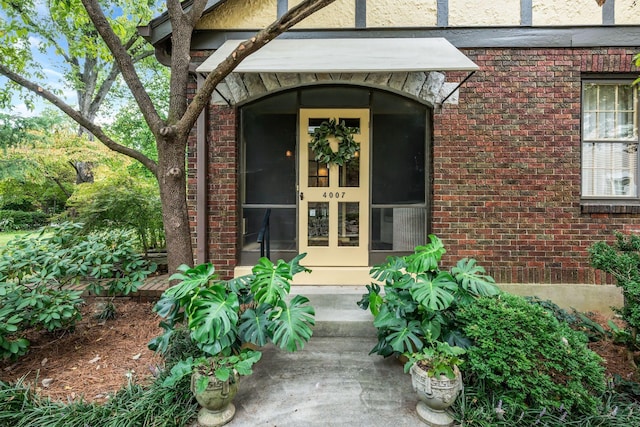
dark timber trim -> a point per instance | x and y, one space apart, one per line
609 12
361 13
201 183
443 13
500 37
283 7
526 13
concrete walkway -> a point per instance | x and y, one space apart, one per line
333 381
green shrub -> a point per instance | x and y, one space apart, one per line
482 407
34 269
120 201
576 320
22 308
622 260
528 358
61 255
11 220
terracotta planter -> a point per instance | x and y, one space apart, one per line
435 396
215 400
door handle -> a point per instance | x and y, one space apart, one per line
301 195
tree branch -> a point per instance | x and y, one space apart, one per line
182 30
125 64
195 13
79 118
286 21
103 90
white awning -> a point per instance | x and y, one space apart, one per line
346 56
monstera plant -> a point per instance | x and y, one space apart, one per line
416 306
227 321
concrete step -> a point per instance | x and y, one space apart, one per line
337 312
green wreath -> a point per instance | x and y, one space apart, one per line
347 146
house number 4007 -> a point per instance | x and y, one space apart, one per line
333 195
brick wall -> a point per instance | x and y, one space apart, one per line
222 190
506 169
506 166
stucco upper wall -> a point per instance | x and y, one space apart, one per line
627 12
350 14
566 12
339 14
473 13
240 14
407 13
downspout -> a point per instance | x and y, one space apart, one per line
202 160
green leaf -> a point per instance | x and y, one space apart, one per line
406 337
426 258
178 371
254 326
248 359
390 271
272 283
473 279
191 279
292 324
222 374
435 293
213 315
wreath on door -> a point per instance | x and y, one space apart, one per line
347 146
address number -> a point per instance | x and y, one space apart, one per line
333 194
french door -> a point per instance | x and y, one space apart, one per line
334 200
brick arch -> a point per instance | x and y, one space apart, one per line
425 87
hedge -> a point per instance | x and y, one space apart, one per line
11 220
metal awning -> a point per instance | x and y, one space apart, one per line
364 55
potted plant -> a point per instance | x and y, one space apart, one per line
415 304
437 381
414 316
224 319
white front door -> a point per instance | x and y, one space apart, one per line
334 200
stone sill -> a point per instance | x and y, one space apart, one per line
609 208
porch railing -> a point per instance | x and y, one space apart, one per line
264 237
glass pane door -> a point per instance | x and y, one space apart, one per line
334 195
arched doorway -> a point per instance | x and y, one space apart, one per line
275 169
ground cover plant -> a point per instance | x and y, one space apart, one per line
34 271
6 237
132 406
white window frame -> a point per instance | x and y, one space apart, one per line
625 178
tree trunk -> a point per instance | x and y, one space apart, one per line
173 195
84 174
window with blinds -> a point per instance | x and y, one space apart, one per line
609 140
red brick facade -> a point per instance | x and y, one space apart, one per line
506 164
506 169
222 189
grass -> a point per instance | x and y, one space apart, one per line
9 235
5 236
